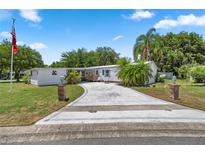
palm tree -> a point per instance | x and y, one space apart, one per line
143 45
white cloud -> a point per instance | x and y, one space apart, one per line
166 23
182 20
5 35
31 15
141 14
118 37
38 46
20 42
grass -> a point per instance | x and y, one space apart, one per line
191 95
27 103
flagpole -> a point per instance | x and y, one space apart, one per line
12 58
11 73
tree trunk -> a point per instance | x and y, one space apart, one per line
144 54
148 54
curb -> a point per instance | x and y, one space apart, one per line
38 133
20 139
79 98
58 111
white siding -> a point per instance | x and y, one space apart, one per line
45 77
153 69
112 74
34 77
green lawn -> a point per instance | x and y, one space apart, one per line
191 95
28 103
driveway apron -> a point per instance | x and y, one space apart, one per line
110 103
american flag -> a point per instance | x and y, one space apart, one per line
14 46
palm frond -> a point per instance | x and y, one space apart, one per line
150 31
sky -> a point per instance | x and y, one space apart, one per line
52 32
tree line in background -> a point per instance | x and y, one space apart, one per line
170 51
26 58
182 53
83 58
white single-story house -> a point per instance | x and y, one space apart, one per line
46 76
108 73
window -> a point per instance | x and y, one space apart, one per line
96 72
83 73
54 72
107 73
103 72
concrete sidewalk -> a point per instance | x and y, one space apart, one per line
110 103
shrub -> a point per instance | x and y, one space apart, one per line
198 73
26 79
184 71
135 74
73 77
160 77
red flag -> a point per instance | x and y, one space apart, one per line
14 46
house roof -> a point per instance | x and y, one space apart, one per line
80 68
96 67
86 68
48 68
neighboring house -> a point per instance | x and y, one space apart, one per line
7 75
108 73
167 75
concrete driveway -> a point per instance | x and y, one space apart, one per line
108 103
